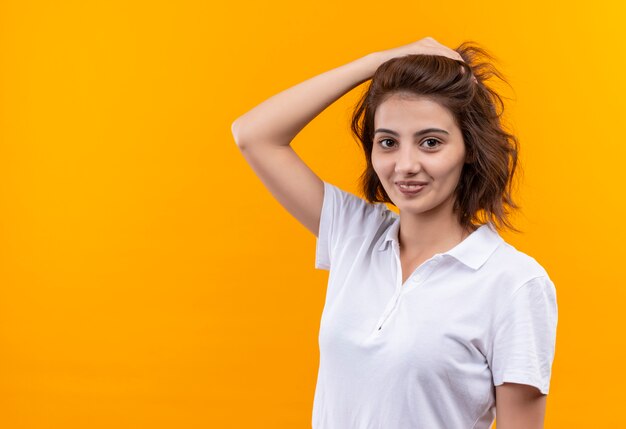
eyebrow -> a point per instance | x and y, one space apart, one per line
417 134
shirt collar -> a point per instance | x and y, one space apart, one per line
473 251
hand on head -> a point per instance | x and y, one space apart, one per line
425 46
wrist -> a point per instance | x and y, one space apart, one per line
371 62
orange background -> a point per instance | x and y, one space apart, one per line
149 280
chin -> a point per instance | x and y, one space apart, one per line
408 208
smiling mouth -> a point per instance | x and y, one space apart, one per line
413 187
410 189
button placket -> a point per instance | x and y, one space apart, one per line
424 272
398 289
387 313
416 278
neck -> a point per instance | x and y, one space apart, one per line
430 233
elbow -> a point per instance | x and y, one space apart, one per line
244 133
235 129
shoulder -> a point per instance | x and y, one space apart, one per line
348 223
350 213
511 269
343 198
508 261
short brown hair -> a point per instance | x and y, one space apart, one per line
483 193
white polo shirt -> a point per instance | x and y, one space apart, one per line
427 354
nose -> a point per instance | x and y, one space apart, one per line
408 161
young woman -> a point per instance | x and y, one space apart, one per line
431 319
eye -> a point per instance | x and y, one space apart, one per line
432 140
381 143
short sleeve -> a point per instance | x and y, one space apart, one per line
524 336
344 215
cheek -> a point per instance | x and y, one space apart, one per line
377 164
443 169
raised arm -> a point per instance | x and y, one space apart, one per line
264 134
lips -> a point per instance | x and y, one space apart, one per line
411 182
410 189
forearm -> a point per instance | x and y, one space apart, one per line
280 118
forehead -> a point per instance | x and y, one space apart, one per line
412 112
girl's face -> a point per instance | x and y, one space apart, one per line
417 140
